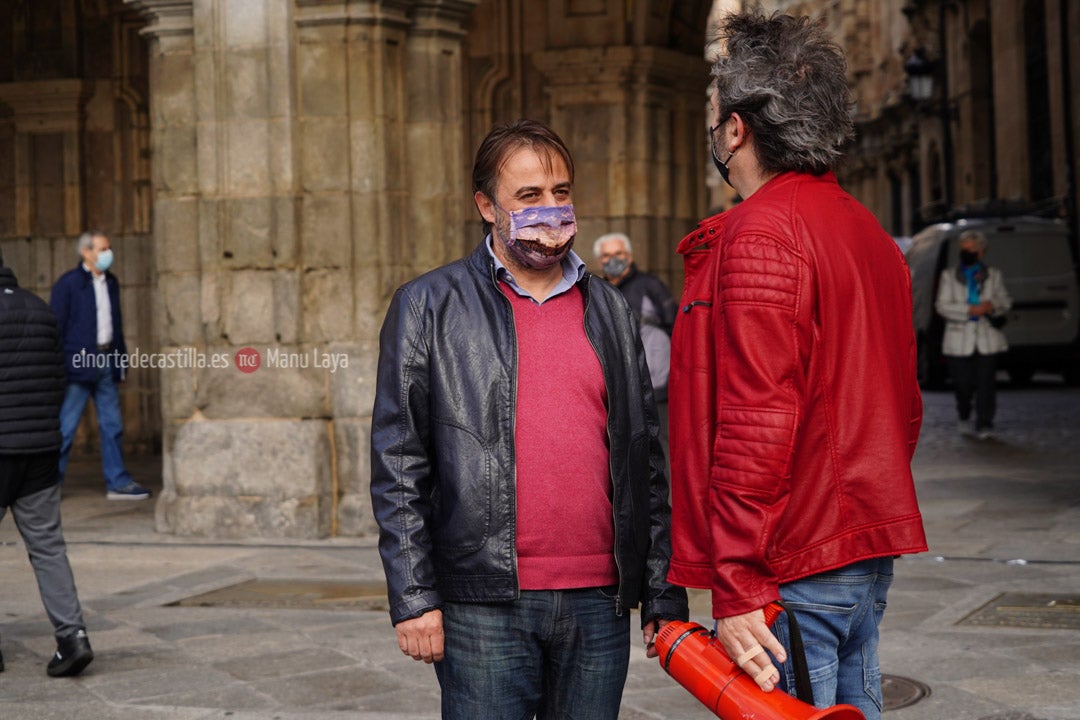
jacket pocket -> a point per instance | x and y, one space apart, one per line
462 502
691 340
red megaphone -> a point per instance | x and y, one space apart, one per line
691 655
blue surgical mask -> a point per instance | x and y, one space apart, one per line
104 260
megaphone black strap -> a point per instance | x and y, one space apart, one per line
803 689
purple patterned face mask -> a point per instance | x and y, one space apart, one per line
539 237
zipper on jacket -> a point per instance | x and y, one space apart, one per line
607 429
513 433
695 303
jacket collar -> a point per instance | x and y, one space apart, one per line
709 229
704 237
482 259
88 276
7 278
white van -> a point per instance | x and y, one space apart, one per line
1040 273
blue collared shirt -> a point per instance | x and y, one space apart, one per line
573 270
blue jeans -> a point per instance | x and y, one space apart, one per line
550 654
838 614
110 425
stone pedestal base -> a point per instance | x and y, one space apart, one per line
248 478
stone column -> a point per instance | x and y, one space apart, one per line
380 112
632 116
290 203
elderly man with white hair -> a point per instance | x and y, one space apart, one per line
648 297
86 300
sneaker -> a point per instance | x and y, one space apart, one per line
131 491
966 428
985 434
73 654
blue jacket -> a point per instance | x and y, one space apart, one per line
76 314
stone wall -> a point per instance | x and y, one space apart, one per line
307 161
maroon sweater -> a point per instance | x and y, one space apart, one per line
565 531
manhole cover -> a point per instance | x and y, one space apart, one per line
1049 611
899 692
294 595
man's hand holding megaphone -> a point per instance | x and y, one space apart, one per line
745 639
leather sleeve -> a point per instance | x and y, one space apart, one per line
401 471
660 599
762 346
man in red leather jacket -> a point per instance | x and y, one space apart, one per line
794 403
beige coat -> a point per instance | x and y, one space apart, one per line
962 335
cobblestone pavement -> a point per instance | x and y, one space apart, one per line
1003 516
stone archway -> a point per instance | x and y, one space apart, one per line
74 154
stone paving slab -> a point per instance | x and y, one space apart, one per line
986 507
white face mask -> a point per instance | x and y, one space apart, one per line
538 237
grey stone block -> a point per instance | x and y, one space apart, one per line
258 467
287 384
180 308
248 307
176 231
327 305
352 388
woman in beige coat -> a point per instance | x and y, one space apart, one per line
973 300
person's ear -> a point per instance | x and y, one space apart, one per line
735 133
485 205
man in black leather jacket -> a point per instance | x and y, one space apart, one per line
517 475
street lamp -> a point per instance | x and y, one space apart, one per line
920 72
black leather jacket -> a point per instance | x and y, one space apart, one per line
442 445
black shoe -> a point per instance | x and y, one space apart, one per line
73 654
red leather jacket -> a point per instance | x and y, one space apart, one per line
794 409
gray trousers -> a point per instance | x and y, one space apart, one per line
37 517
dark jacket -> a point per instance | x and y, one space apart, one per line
442 445
76 312
31 378
638 285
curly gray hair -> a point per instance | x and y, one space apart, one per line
787 80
